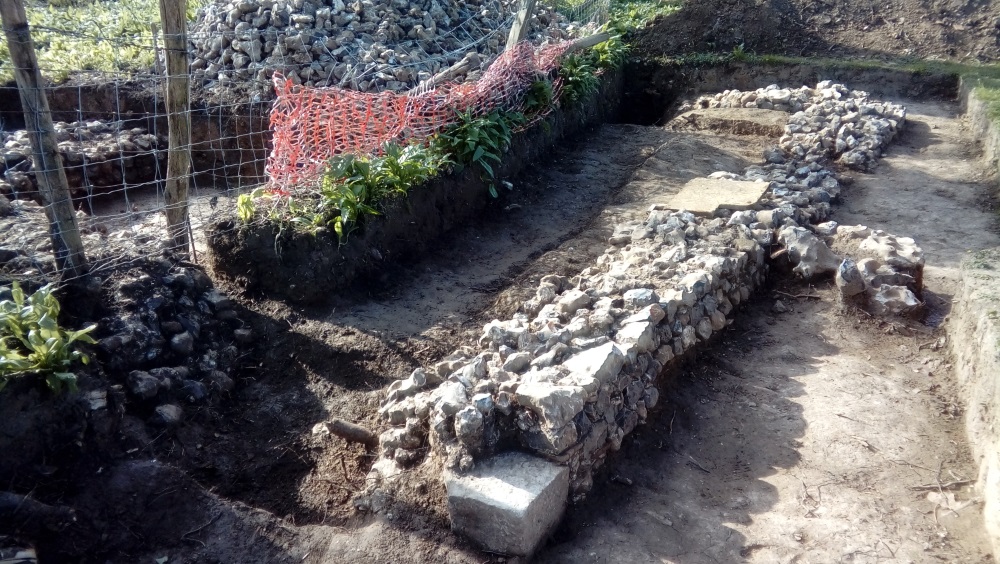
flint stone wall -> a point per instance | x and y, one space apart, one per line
577 368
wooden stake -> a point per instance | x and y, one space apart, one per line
66 242
520 26
173 20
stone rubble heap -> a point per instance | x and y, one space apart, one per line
829 121
98 156
571 374
365 45
172 340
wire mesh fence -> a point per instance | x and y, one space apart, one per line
104 80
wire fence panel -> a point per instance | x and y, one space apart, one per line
263 107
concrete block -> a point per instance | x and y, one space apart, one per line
509 504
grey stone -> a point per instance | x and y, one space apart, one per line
573 300
849 280
193 391
182 344
469 426
704 329
556 405
639 337
167 415
221 381
810 255
450 397
142 384
508 504
217 300
640 297
896 300
602 363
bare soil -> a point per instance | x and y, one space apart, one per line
965 30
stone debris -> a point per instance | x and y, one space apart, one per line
98 156
828 121
365 45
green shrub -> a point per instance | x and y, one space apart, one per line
479 141
31 340
354 187
609 55
579 78
539 97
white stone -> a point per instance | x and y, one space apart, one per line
601 363
508 504
556 405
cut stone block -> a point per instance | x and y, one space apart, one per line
706 195
509 504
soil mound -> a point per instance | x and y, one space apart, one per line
965 30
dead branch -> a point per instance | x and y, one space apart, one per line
352 433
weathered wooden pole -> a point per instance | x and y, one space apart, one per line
520 27
67 245
174 21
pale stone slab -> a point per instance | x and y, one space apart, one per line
706 195
509 504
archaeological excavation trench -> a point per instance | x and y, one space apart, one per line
693 387
603 366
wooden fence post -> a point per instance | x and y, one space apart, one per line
173 19
520 27
67 246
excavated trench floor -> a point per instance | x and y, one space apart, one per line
814 435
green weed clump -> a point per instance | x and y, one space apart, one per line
352 187
479 141
32 342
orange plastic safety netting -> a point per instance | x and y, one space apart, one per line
311 125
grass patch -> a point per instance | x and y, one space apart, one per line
631 15
90 35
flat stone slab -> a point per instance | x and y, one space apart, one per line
704 196
510 503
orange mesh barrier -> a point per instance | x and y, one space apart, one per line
311 125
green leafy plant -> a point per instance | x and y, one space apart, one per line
355 186
579 79
629 15
31 340
609 55
479 141
538 97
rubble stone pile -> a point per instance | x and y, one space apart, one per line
828 121
366 45
98 156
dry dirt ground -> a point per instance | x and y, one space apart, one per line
964 30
